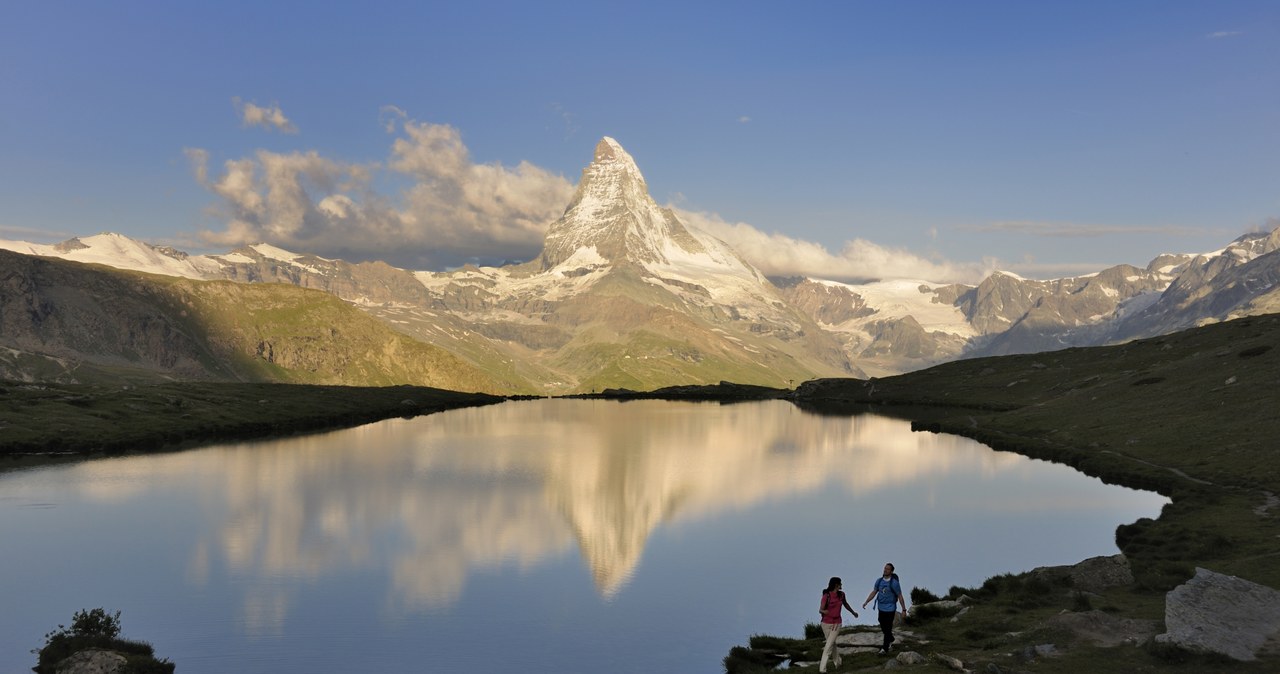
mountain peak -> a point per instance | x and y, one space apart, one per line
611 211
609 149
612 174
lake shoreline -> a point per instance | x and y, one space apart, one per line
1186 415
45 424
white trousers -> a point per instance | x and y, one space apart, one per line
829 650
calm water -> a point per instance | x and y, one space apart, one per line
540 536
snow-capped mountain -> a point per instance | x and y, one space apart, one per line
624 294
122 252
626 288
613 229
1242 279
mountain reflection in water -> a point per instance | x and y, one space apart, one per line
461 494
411 516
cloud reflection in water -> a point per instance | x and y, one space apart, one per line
434 500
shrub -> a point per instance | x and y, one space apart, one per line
924 612
813 631
920 595
95 623
97 629
743 660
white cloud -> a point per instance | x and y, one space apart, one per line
744 119
453 212
781 255
268 118
1218 35
391 116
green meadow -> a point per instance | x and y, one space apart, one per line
1191 415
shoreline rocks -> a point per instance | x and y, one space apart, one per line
1217 613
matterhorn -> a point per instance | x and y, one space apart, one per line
625 295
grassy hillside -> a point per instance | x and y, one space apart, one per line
69 322
279 332
1191 415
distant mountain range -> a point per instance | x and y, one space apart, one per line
623 295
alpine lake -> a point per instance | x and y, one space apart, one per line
531 536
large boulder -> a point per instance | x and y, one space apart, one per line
1223 614
92 661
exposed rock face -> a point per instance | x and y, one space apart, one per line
1092 575
1223 614
92 661
66 311
827 303
1025 316
101 322
363 283
904 338
612 212
945 607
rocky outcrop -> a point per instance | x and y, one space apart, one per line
114 319
826 303
93 661
1217 613
363 282
1092 575
945 607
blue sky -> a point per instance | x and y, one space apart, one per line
846 139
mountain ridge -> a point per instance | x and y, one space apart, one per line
624 294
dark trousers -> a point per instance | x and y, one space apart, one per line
886 626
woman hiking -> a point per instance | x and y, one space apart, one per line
833 601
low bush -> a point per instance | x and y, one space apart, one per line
101 630
920 595
925 613
743 660
813 631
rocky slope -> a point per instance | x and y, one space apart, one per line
68 322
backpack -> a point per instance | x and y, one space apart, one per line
882 585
